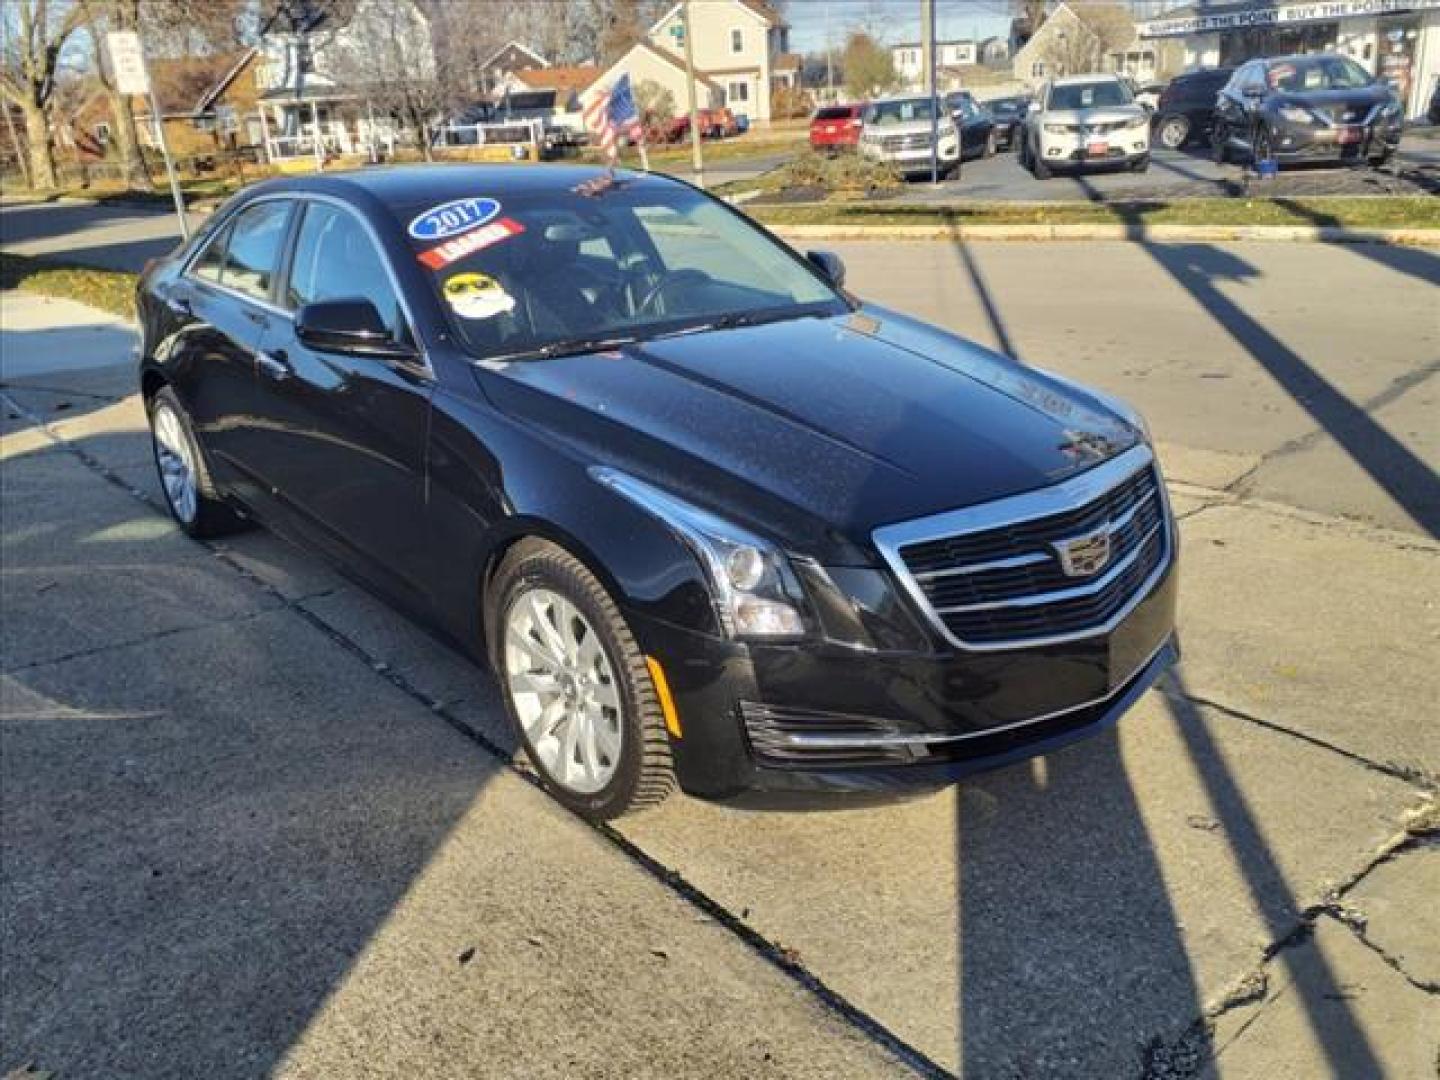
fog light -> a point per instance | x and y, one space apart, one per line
754 615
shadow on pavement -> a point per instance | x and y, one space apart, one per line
191 864
1394 467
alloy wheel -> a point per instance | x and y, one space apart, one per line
564 689
1173 132
177 464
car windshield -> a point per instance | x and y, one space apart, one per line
899 112
575 271
1309 73
1090 95
1005 107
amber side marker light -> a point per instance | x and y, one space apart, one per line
662 691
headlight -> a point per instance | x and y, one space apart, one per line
755 590
1296 115
1057 129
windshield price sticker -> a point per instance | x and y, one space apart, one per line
452 218
475 240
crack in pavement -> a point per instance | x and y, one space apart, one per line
775 955
1394 391
1414 777
1188 1054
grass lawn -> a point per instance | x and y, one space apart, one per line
108 290
1407 212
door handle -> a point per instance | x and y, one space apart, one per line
276 364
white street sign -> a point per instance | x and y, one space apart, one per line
127 61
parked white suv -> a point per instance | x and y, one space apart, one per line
1085 120
898 131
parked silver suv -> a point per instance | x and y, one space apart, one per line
899 131
1083 121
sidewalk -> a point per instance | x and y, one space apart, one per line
240 836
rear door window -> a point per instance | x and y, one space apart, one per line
252 254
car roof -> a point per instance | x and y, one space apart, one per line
1080 80
408 185
1296 57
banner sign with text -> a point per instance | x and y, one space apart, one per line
1241 18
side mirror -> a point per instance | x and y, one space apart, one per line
351 326
829 264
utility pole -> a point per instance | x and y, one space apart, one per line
829 57
927 50
697 155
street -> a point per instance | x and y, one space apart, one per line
256 821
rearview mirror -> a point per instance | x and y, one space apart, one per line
829 264
351 326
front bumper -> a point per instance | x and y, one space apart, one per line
1076 150
1308 142
821 716
914 160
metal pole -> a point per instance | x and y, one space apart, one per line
927 20
696 154
169 165
829 56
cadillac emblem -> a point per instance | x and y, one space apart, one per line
1082 556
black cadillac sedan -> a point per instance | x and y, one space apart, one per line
711 519
1306 108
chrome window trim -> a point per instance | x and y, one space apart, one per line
288 253
1016 509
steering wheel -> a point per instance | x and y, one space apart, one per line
668 280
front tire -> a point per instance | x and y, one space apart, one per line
1173 133
576 685
1140 164
190 494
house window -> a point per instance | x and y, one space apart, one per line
102 132
738 91
737 41
1037 69
226 117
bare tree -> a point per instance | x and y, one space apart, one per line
34 36
1082 44
388 57
869 69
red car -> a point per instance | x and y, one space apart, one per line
835 127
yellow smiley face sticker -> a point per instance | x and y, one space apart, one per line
477 296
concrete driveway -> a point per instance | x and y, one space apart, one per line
254 820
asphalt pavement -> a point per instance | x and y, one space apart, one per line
1188 173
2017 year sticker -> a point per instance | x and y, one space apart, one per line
452 218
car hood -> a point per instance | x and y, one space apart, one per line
818 430
1109 114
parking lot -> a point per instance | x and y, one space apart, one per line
258 822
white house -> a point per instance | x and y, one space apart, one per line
909 58
310 74
1066 44
739 49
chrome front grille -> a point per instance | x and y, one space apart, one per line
991 577
892 143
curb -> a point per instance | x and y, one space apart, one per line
1140 233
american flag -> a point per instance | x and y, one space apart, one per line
611 114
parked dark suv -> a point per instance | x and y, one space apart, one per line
709 517
1187 107
1306 108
